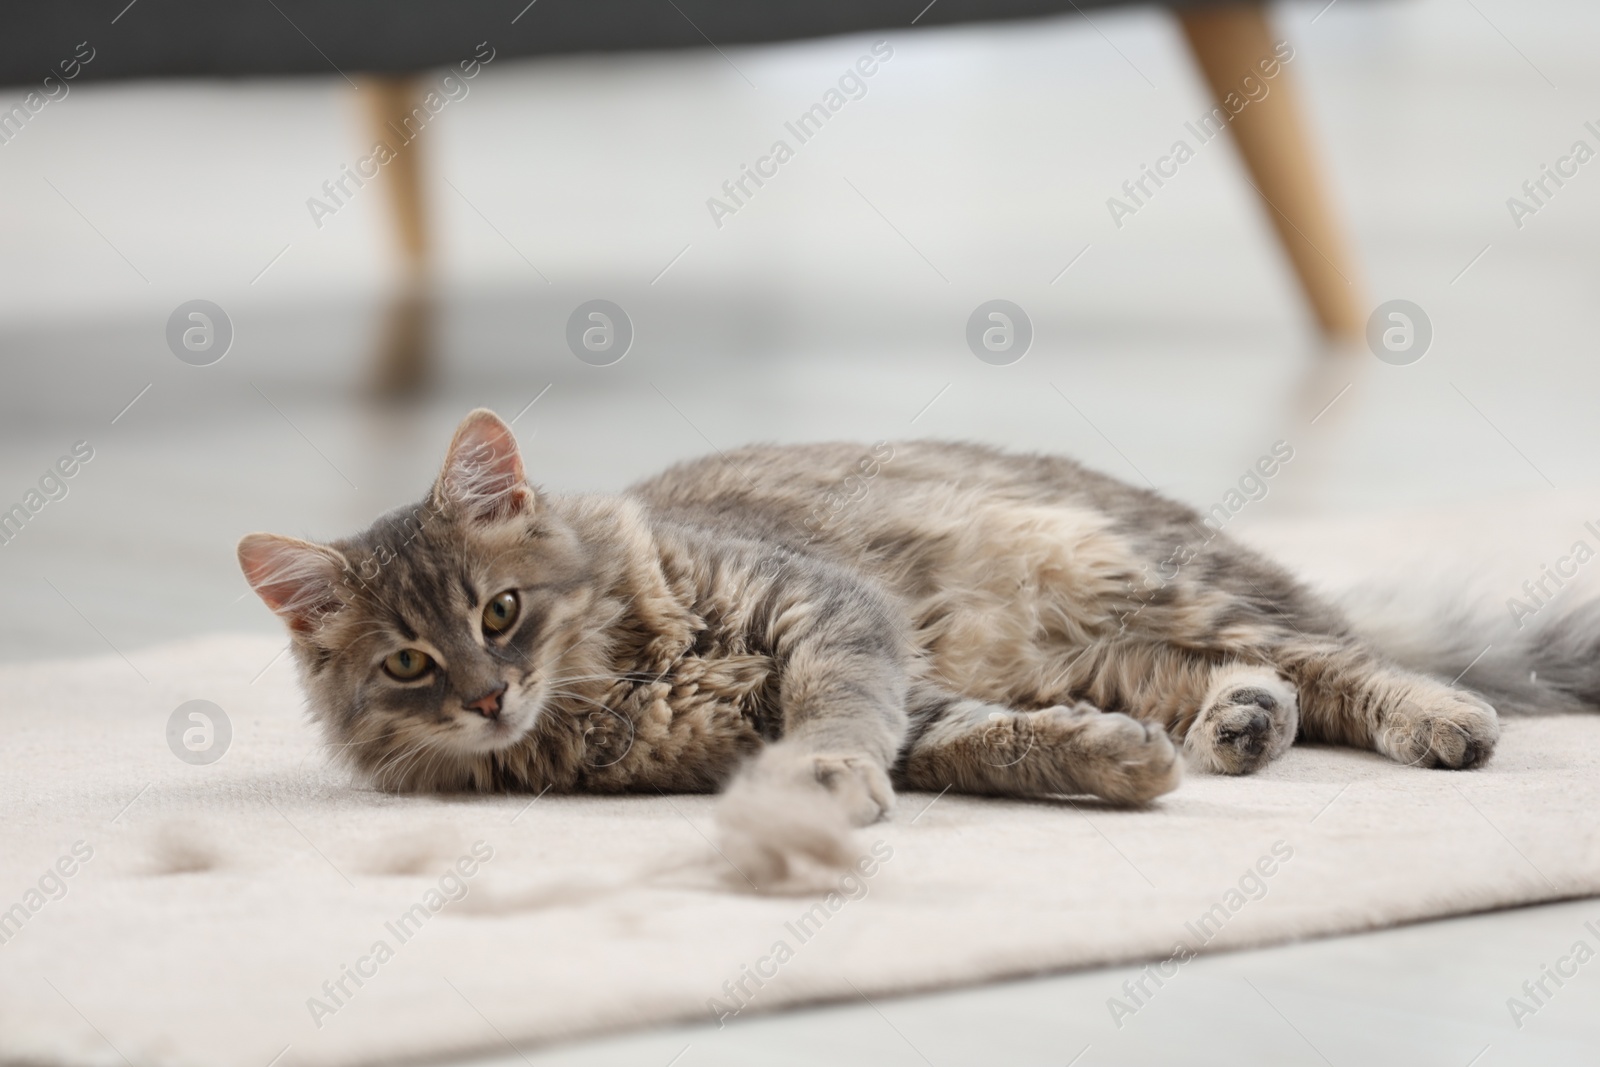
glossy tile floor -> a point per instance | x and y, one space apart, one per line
1171 351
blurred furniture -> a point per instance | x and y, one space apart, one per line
390 41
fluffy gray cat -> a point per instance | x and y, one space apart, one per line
817 625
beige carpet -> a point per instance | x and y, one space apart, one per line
219 898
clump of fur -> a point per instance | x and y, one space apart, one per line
422 851
184 846
782 830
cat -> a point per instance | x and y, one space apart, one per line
812 627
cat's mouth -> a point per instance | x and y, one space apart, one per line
483 735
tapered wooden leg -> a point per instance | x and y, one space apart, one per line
1229 43
405 351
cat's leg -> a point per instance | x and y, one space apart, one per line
1230 715
841 650
1346 693
1236 605
1236 708
975 747
1349 696
843 706
1238 713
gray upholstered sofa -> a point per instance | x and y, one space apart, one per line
377 44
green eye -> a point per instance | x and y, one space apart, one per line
408 664
500 614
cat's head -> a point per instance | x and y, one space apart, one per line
435 637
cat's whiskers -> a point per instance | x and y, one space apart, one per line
339 746
588 678
602 706
408 740
428 746
645 677
429 774
399 752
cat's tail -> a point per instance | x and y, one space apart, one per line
1526 654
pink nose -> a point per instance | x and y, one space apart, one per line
488 705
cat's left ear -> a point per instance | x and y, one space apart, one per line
483 471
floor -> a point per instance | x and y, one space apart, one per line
1170 351
1429 994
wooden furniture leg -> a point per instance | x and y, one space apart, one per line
1228 43
405 353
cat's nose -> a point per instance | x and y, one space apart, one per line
488 705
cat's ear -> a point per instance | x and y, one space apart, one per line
298 580
483 473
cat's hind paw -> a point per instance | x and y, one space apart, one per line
1448 728
1248 719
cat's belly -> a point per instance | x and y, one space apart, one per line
1009 567
1002 594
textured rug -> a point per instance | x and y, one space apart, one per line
261 909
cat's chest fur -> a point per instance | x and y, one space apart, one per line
692 690
684 730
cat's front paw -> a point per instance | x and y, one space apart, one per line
857 784
1446 728
785 822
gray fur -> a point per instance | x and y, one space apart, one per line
933 614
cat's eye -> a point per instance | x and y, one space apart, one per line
407 665
500 614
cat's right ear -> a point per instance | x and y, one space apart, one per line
298 580
483 473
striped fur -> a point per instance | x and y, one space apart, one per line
820 623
